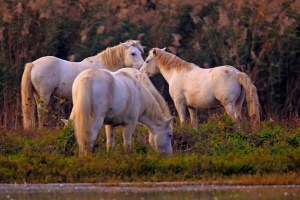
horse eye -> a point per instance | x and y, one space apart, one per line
133 54
147 61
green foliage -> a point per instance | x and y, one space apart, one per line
218 149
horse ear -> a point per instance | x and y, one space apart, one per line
125 45
154 51
163 49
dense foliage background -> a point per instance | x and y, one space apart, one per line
261 38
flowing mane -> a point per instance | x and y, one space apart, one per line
152 110
136 43
169 61
113 56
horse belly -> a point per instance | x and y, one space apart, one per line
203 102
200 97
120 114
64 90
115 121
68 73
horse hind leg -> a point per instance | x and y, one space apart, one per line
109 130
42 103
239 104
96 125
232 112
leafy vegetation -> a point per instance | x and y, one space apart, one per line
219 152
258 37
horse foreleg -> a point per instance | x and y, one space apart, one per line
181 109
110 143
127 135
194 119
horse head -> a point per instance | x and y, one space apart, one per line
132 56
150 66
160 138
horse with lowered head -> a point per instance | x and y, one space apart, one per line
114 99
48 76
194 88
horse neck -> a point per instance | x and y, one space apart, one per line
168 74
152 116
112 58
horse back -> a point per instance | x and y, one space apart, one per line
204 88
114 96
127 101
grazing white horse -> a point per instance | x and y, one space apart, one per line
50 75
144 80
197 88
116 98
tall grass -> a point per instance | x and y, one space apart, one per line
218 153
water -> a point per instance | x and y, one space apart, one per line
127 191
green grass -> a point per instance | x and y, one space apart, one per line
218 152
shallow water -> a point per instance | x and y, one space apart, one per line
130 192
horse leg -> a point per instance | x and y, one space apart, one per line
238 112
96 125
110 143
232 112
127 135
71 118
239 104
42 104
181 109
194 119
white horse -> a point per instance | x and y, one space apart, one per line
197 88
144 80
50 75
116 98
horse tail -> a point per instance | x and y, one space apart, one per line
83 115
251 96
144 79
28 102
